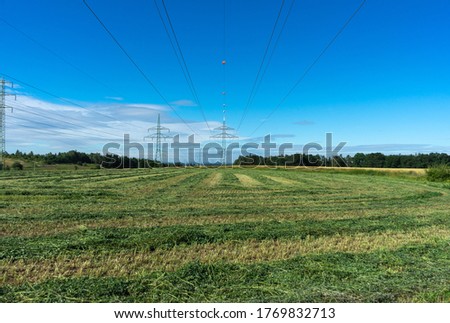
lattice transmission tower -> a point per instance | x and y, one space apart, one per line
224 133
3 108
158 135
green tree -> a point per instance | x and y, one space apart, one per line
17 166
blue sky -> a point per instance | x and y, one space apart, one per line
383 85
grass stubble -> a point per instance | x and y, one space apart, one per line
207 235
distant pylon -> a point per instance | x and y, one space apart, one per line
3 108
158 135
224 135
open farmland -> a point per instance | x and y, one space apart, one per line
223 234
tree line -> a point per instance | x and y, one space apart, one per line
378 160
80 158
358 160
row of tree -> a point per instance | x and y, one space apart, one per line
80 158
358 160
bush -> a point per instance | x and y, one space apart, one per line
438 173
17 166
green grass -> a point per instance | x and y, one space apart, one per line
235 235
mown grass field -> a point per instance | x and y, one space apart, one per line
223 235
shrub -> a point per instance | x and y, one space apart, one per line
439 173
17 166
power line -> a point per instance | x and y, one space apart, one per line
180 56
47 117
46 131
315 61
177 55
135 64
61 58
42 123
48 125
58 120
224 133
274 48
224 61
64 100
50 118
224 28
252 92
34 121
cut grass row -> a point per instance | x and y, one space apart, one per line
60 232
189 192
126 263
378 276
168 237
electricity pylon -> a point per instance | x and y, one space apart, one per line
224 135
158 135
3 108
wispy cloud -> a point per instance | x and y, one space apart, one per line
184 103
44 126
115 98
304 123
272 137
147 106
396 148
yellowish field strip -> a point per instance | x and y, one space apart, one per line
130 178
213 180
418 171
33 229
251 251
281 180
248 181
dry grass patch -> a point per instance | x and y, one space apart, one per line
417 171
281 180
213 179
125 179
247 181
34 229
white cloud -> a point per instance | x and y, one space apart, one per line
184 103
115 98
44 126
304 123
147 106
396 148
